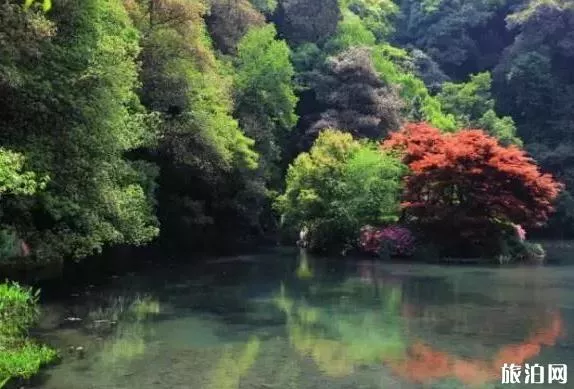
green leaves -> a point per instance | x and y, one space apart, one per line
19 356
75 117
46 4
473 106
340 185
265 98
13 180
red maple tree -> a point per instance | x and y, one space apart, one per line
467 183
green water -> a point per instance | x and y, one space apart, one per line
283 320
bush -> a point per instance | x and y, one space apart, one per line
20 357
393 241
513 246
337 187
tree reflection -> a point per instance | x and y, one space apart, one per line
373 318
127 319
425 363
303 270
233 365
342 335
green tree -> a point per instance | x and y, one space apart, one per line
378 15
46 4
340 185
265 99
204 157
14 181
463 37
69 106
473 106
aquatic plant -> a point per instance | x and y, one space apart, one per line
20 357
393 241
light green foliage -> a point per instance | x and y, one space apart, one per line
46 4
473 106
351 31
207 162
421 105
470 100
181 74
503 128
12 179
337 187
377 15
265 100
19 356
264 76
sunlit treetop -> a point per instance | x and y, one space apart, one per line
533 7
46 4
470 172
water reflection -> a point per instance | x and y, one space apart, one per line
426 364
233 366
129 318
307 323
375 321
343 334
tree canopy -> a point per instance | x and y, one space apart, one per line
467 182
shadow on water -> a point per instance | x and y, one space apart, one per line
286 320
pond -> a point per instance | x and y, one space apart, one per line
285 320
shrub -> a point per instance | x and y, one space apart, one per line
20 357
394 241
339 186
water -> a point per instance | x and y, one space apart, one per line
287 321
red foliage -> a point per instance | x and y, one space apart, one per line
467 179
415 141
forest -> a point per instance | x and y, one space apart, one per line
395 128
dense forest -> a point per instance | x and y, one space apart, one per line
175 121
353 123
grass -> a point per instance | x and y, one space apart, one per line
20 356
